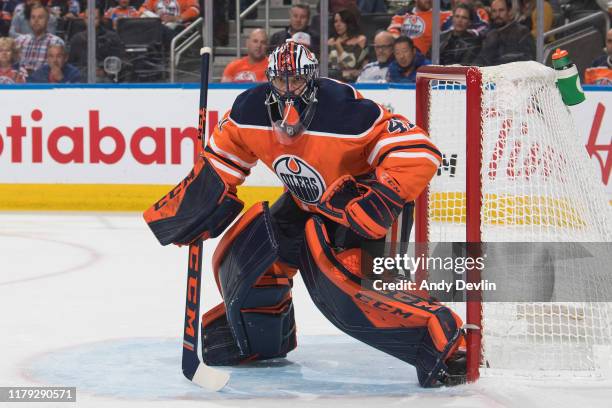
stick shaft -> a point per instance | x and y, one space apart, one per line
191 361
194 270
205 62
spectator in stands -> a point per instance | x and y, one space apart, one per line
527 16
605 6
460 45
251 68
348 48
56 70
7 7
480 13
302 38
417 24
65 9
108 44
21 18
34 46
508 41
600 71
407 61
10 72
122 10
479 22
299 19
173 13
377 71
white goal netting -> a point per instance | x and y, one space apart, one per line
538 186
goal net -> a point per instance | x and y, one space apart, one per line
516 178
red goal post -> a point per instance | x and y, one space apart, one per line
514 175
472 77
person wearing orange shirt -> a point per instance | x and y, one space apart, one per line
417 24
252 67
350 168
174 12
122 10
600 71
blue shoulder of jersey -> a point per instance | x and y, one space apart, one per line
340 112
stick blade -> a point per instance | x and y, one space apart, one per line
210 378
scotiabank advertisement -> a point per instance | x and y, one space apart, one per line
148 135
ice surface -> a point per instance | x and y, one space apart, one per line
92 301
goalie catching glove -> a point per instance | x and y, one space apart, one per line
368 207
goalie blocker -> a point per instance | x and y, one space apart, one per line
254 269
200 206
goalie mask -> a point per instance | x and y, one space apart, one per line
292 72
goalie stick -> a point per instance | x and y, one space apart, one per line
196 371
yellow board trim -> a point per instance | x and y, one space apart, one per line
104 197
446 207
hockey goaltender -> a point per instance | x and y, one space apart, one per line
349 167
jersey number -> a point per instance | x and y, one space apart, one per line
223 122
399 126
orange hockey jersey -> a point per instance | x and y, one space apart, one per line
598 76
241 70
417 26
348 135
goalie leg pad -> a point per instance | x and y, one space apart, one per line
199 206
256 291
413 328
218 344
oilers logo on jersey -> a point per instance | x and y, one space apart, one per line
300 178
413 26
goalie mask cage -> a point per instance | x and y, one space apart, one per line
514 171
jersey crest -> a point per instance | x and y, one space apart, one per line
300 178
245 76
413 26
